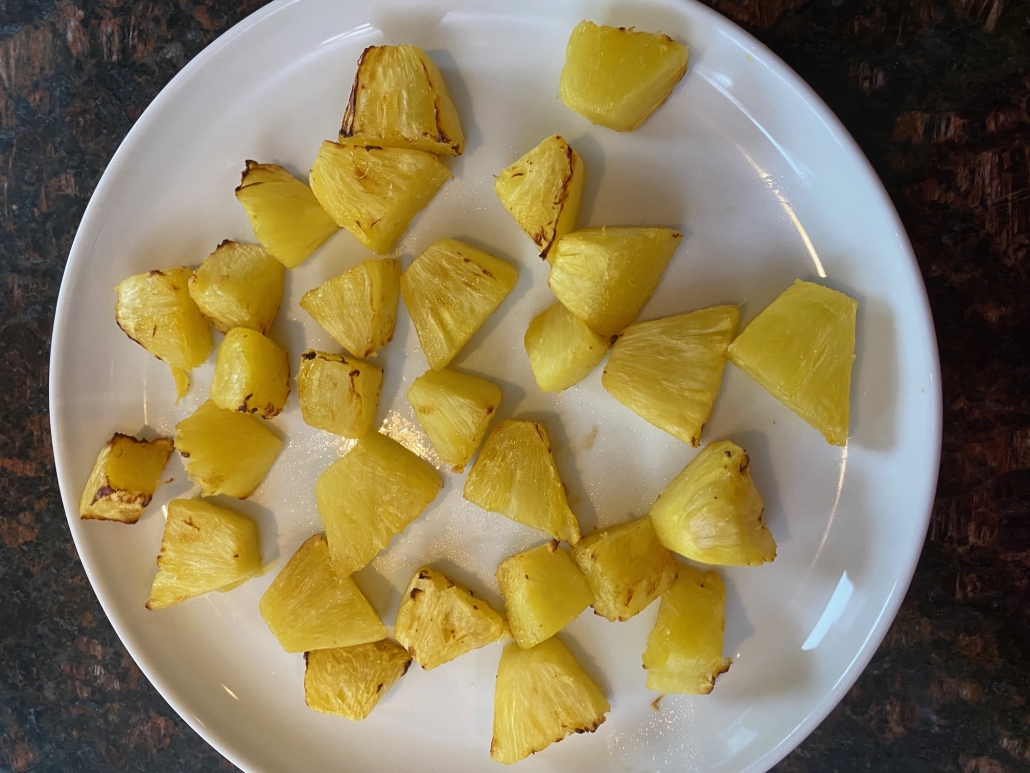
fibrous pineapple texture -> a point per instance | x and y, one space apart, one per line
455 410
252 374
338 393
238 285
124 478
562 349
350 681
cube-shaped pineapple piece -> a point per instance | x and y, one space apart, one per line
450 291
543 191
349 681
669 371
252 374
542 695
454 409
617 77
124 478
358 308
605 275
238 285
309 606
399 100
562 349
204 548
374 192
370 495
338 393
684 650
800 349
712 513
284 214
226 452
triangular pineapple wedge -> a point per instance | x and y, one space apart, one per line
124 478
238 285
562 349
350 681
252 374
338 393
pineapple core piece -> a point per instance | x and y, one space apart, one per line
284 214
668 371
800 349
124 478
450 291
562 349
454 409
204 548
399 100
605 275
439 621
516 477
542 695
684 650
369 495
712 512
309 606
617 77
338 393
238 285
252 374
349 681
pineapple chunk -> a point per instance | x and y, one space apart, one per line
617 77
124 478
252 374
399 100
337 393
374 192
605 275
800 349
562 349
349 681
309 606
182 383
204 548
543 592
712 512
542 695
684 650
450 291
439 621
543 190
226 452
359 307
454 409
668 371
285 215
369 495
238 285
516 477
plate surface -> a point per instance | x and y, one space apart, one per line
767 186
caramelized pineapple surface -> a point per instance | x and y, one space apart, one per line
238 285
350 681
455 410
338 393
562 349
124 478
252 374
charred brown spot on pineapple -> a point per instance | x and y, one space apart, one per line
415 593
553 545
308 355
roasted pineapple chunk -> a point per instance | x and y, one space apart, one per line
617 77
712 512
605 275
668 371
684 650
124 478
252 374
238 285
454 409
349 681
542 695
450 291
562 349
226 452
399 100
338 393
204 548
515 476
800 349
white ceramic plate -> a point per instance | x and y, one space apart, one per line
767 186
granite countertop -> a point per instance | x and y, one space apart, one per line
937 94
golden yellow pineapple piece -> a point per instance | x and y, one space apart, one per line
543 191
605 275
399 100
226 452
124 478
182 383
450 291
712 512
338 393
617 77
374 192
238 285
358 308
349 681
454 409
369 495
562 349
252 374
684 650
542 695
669 371
800 349
516 477
285 215
204 548
309 606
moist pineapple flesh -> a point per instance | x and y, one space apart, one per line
562 349
349 681
800 349
669 371
238 285
252 374
450 291
124 478
338 393
455 410
712 512
182 383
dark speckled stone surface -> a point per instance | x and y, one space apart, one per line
937 93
